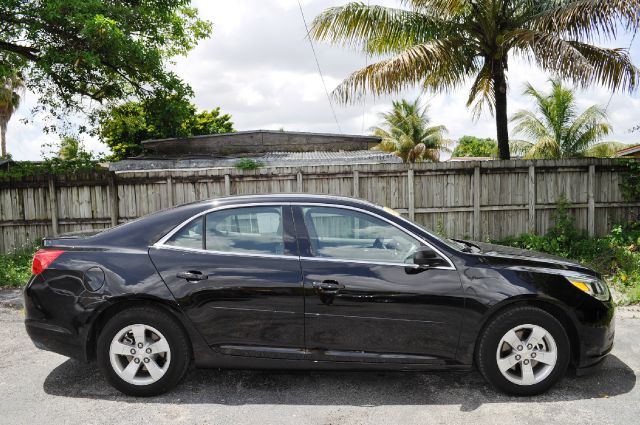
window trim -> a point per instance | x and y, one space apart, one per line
161 242
372 262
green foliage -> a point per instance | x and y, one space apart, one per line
616 255
248 164
53 166
72 50
71 148
475 146
556 130
170 114
630 182
405 131
443 45
15 267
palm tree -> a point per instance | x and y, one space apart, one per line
441 44
557 130
10 86
406 132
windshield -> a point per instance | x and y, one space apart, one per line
457 244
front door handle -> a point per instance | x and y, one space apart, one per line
328 285
192 276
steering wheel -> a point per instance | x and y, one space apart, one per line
378 244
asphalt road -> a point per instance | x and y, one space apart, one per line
41 387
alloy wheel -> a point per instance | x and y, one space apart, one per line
526 354
140 354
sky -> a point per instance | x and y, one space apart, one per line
258 67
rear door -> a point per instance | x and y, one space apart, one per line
236 274
364 298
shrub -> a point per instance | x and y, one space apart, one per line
15 267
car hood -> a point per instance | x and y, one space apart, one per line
500 254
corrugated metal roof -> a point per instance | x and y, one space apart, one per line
287 159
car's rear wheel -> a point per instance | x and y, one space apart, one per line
143 351
523 351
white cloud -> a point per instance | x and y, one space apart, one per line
258 67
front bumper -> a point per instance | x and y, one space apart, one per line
596 330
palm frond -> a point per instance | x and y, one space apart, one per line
401 71
589 19
376 29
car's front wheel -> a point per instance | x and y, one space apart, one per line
523 351
143 351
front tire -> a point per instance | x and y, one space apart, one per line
523 351
143 351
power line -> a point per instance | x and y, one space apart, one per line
306 27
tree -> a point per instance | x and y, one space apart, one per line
71 148
441 44
125 126
73 50
556 130
10 87
475 146
405 131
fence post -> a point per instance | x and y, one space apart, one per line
356 184
591 211
170 191
113 199
227 185
477 234
532 199
411 194
53 205
299 181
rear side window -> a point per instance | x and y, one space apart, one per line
190 236
250 230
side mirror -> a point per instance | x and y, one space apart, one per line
426 257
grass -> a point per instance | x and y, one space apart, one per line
616 256
15 267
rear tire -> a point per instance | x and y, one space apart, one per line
523 351
143 351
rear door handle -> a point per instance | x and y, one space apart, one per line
328 285
192 276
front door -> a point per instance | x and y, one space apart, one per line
363 300
236 274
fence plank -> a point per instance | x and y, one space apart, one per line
53 206
491 199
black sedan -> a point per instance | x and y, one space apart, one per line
312 282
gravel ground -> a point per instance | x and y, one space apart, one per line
42 387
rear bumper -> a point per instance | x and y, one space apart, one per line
57 339
54 320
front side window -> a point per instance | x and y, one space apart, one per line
251 230
351 235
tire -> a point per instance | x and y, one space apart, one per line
165 350
526 376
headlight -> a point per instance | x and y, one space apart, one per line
591 285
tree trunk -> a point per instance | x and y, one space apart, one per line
502 122
3 135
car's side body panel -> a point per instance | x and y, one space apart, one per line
441 312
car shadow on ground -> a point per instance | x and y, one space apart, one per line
240 387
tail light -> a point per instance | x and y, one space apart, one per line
43 258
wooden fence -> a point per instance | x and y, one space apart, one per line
479 200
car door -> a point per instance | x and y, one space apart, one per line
236 274
364 298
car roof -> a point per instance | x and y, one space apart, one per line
287 197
